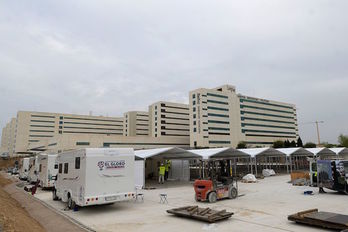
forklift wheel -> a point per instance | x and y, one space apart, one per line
233 193
212 197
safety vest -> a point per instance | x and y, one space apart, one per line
167 165
162 170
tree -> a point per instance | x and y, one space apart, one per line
299 142
310 145
343 140
293 143
241 145
278 144
328 145
286 143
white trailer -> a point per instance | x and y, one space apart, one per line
47 168
24 168
33 169
95 176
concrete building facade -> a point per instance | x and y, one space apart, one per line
8 138
136 123
33 127
169 119
221 117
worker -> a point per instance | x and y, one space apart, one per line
161 173
167 166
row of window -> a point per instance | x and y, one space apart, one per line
274 132
217 108
271 115
265 120
66 166
89 123
263 125
217 95
42 116
277 136
41 131
217 102
262 108
218 115
93 119
264 103
44 121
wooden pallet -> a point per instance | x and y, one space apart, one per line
321 219
202 214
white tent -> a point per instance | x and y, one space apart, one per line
179 168
297 157
321 152
265 155
342 152
219 153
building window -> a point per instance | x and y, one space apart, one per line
193 96
82 143
195 143
60 122
194 109
163 133
195 129
155 123
61 117
77 163
155 118
194 123
66 167
194 103
60 132
60 168
194 115
60 127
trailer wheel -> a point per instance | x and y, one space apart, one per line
54 195
233 193
212 197
71 203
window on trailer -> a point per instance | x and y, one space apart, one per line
66 167
40 167
77 163
60 168
56 166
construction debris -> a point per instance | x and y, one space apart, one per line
249 178
268 172
321 219
202 214
301 182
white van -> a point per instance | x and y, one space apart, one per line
95 176
33 169
47 168
24 168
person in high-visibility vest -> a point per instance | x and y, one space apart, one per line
161 173
167 166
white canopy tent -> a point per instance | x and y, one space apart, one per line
342 152
322 152
179 168
224 153
297 157
266 156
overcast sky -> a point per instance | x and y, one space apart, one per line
114 56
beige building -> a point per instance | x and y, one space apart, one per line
169 119
66 142
136 123
8 137
33 127
221 117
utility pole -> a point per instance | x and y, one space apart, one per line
316 123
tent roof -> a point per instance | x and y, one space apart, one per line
299 151
320 151
265 151
219 153
339 150
166 153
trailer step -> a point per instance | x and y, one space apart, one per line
201 214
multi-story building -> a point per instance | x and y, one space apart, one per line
136 123
169 119
33 127
221 117
8 137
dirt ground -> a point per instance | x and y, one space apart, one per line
13 217
4 164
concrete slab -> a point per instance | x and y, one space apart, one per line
264 207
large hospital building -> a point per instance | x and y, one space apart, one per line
216 117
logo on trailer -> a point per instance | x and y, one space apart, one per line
101 165
111 164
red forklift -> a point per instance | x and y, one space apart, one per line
219 184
